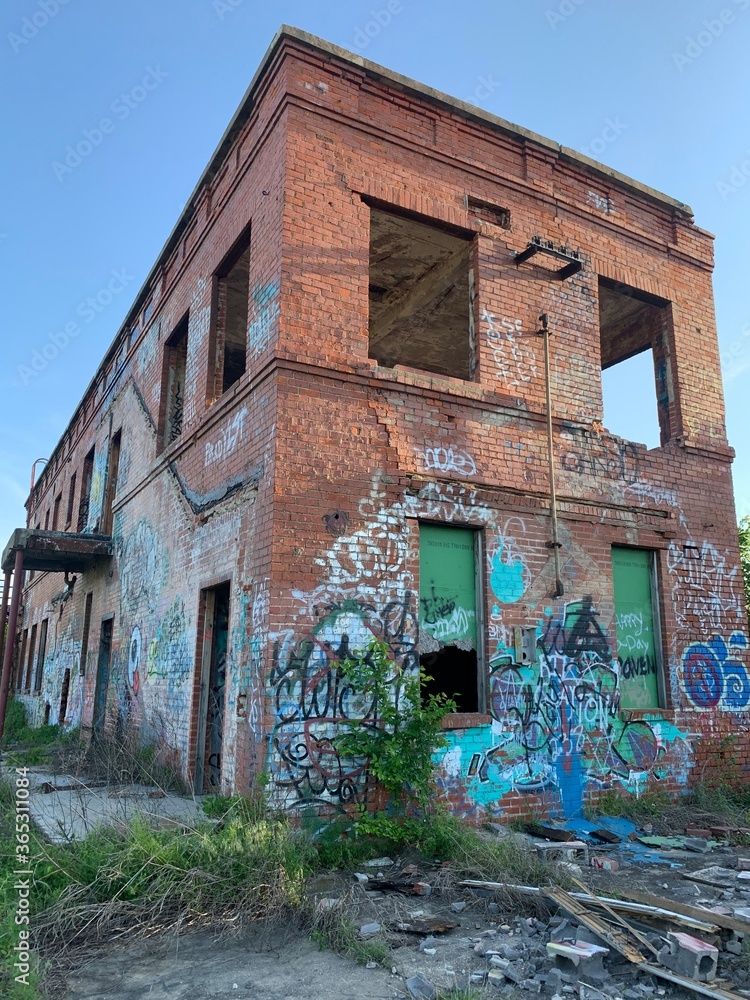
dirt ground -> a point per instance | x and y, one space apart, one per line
273 962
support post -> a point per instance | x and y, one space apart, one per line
4 613
10 639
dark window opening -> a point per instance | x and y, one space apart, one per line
83 506
420 300
175 367
110 490
634 328
56 512
71 500
453 672
47 710
85 636
46 520
232 311
30 661
64 696
40 657
448 626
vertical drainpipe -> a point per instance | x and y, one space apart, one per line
555 543
11 633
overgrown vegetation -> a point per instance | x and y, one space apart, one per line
399 746
723 803
32 743
245 862
744 532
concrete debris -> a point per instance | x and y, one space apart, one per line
420 988
379 863
369 930
689 956
699 845
458 907
574 958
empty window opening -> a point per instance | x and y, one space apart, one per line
637 628
47 710
232 305
448 630
56 512
83 506
71 500
175 365
110 491
40 657
86 629
420 301
634 328
46 520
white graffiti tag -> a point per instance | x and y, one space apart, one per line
448 460
229 438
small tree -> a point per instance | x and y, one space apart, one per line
744 530
406 730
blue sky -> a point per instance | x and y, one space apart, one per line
657 91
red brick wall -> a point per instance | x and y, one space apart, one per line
305 484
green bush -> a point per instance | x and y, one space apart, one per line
15 720
406 732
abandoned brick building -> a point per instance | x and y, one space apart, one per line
326 418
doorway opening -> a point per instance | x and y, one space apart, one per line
213 668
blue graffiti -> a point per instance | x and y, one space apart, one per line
507 579
715 676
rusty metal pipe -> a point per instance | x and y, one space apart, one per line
4 612
10 636
33 471
555 544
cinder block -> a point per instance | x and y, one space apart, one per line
689 956
579 959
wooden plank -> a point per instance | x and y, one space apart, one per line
690 984
637 909
694 912
621 921
619 941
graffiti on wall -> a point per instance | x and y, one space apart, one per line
556 721
310 698
96 491
140 558
584 452
706 599
714 675
264 311
169 652
230 435
557 725
513 355
449 460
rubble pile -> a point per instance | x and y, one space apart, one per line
642 925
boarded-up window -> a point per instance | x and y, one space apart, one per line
448 632
637 641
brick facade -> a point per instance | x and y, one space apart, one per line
304 485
